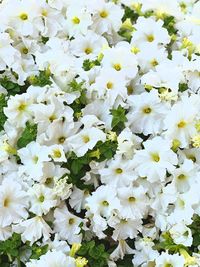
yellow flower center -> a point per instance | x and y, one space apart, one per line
154 62
103 14
147 110
109 85
23 16
57 153
182 177
44 12
61 139
192 157
117 67
132 199
118 170
150 38
181 124
155 157
22 107
76 20
135 50
6 202
35 159
88 50
41 198
52 117
105 203
71 221
86 139
24 50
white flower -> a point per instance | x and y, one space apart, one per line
8 54
149 31
18 109
125 228
33 157
33 229
119 172
103 201
107 16
181 234
185 176
13 203
88 46
56 152
180 121
121 250
134 202
53 259
77 199
166 259
147 113
61 188
155 159
109 85
67 225
121 60
42 199
86 139
78 20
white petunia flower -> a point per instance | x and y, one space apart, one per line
42 199
166 259
67 225
86 139
155 159
33 229
13 203
147 113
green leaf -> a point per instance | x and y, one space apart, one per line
42 79
3 104
88 64
38 251
169 24
130 14
119 118
11 87
28 135
183 87
96 254
74 86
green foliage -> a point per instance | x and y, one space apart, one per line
126 262
169 24
11 87
28 135
183 87
89 64
78 166
130 14
44 39
42 79
168 244
96 254
74 86
38 251
13 249
11 246
195 228
119 118
3 104
78 104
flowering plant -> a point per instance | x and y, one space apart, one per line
99 133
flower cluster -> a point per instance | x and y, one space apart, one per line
99 133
